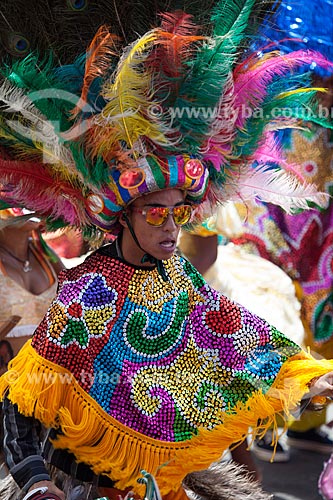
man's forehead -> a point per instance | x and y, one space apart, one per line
161 198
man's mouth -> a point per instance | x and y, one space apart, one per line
168 244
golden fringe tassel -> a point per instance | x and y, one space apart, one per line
52 395
288 389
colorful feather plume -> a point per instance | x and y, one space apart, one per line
201 90
127 117
182 89
256 102
253 77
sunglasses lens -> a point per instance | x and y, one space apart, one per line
156 216
182 214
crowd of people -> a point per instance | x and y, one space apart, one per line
155 352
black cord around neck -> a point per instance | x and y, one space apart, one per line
147 257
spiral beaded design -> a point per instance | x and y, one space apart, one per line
162 358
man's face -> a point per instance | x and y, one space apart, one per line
158 241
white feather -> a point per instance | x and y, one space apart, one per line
273 186
37 127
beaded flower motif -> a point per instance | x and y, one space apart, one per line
82 310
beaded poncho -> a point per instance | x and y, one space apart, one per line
139 373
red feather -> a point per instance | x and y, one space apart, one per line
30 185
176 35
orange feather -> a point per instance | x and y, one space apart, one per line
100 51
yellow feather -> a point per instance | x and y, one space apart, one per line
299 91
127 116
257 63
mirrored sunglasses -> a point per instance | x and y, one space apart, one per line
157 216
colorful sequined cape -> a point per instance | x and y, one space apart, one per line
140 373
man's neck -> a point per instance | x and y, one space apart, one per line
130 251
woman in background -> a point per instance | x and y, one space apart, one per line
28 275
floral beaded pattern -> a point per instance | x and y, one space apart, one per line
82 310
162 358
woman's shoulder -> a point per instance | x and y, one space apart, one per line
96 261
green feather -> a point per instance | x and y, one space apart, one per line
31 73
4 205
37 78
95 172
199 95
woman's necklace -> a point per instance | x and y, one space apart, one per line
26 263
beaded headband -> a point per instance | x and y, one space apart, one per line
150 175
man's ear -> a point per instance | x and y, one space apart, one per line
123 219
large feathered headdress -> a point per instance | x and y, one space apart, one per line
176 108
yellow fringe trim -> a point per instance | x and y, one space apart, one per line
288 389
51 394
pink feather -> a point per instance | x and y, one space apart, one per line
270 151
252 79
29 184
273 186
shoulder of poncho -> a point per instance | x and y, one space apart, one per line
94 259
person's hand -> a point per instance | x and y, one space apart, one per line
322 386
51 488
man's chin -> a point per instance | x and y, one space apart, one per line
165 255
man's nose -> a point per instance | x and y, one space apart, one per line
170 223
